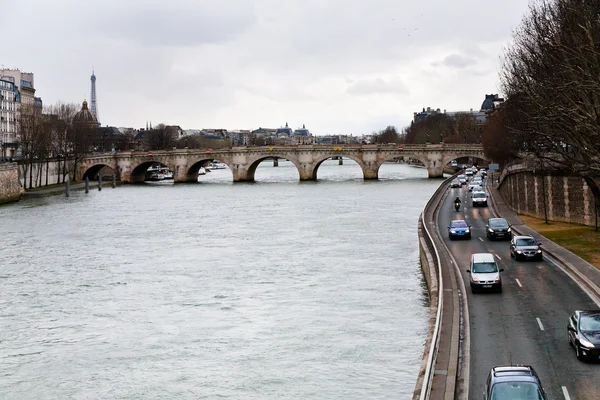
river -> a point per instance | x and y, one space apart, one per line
277 289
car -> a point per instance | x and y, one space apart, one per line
459 229
484 273
469 172
462 179
454 163
455 183
483 172
510 382
525 247
479 199
498 228
473 184
583 331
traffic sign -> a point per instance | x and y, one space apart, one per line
493 167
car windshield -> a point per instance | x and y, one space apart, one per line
526 242
458 224
478 195
589 323
516 391
483 268
498 223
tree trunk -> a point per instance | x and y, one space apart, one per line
30 170
25 176
47 166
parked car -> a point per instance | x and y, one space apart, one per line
510 382
455 183
459 229
498 228
525 247
479 199
484 273
583 331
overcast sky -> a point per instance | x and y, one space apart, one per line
338 66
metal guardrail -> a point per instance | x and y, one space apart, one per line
435 340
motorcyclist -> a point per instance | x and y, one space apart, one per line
457 200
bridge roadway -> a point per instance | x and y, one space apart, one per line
504 326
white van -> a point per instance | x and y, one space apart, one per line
484 273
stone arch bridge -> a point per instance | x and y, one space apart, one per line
130 167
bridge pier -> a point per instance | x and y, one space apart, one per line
276 162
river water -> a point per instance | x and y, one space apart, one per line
268 290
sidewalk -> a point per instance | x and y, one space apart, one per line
584 271
60 189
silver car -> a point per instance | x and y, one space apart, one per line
525 247
484 273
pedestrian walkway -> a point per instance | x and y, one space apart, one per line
59 189
574 263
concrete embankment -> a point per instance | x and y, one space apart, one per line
439 374
10 187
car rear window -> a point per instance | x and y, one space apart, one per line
478 195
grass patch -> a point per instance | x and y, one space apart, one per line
581 240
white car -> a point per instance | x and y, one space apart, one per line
474 184
479 199
484 273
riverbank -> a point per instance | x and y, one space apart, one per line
60 188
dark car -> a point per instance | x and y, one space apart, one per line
510 382
498 228
583 331
459 229
525 247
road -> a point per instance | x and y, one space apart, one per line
526 324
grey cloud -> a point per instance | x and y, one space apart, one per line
177 23
457 61
376 86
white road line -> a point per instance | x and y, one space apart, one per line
497 256
481 239
540 324
566 393
519 283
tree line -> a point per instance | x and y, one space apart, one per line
551 77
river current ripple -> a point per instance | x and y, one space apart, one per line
271 290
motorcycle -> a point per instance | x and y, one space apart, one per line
457 206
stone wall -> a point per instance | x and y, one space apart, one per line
566 198
43 173
10 188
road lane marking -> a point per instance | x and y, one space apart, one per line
519 283
566 393
540 324
497 256
481 239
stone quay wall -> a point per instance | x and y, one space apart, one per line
10 187
44 173
565 198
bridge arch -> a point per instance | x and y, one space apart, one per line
92 172
322 159
191 174
138 173
453 156
255 162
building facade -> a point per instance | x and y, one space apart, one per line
10 102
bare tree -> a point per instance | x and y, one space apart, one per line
550 72
61 115
388 135
160 138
